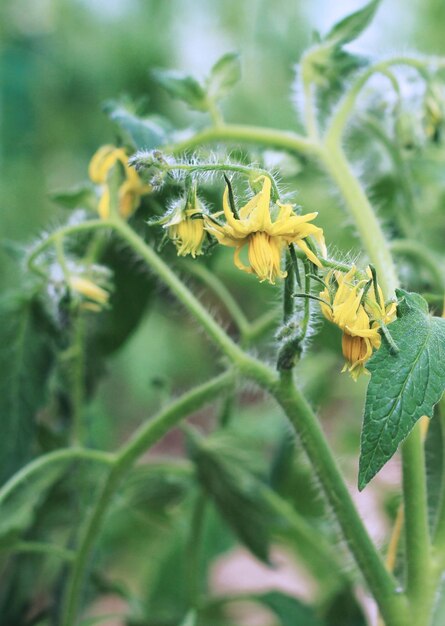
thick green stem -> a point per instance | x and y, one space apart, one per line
144 438
286 140
363 214
417 539
383 586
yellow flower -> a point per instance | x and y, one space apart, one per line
375 307
265 239
131 189
97 296
358 315
187 234
185 226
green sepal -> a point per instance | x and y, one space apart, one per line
405 385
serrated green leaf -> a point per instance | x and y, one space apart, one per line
79 197
403 386
182 87
234 490
142 133
224 75
350 27
289 610
26 359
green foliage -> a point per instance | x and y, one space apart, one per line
26 358
349 28
155 491
222 472
133 292
182 87
78 197
224 75
404 385
136 131
289 610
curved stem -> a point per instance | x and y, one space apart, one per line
66 454
57 235
144 438
247 170
37 547
229 347
383 586
344 110
285 140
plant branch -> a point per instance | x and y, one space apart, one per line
41 462
148 434
285 140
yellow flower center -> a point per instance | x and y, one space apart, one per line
188 236
265 256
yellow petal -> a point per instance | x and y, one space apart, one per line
101 163
308 252
103 208
239 264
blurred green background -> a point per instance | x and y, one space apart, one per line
61 59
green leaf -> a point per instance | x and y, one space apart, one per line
79 197
142 133
182 87
289 610
26 360
133 291
224 75
403 386
344 609
350 27
223 474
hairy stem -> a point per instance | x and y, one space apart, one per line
363 214
227 133
382 584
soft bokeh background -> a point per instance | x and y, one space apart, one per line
61 59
